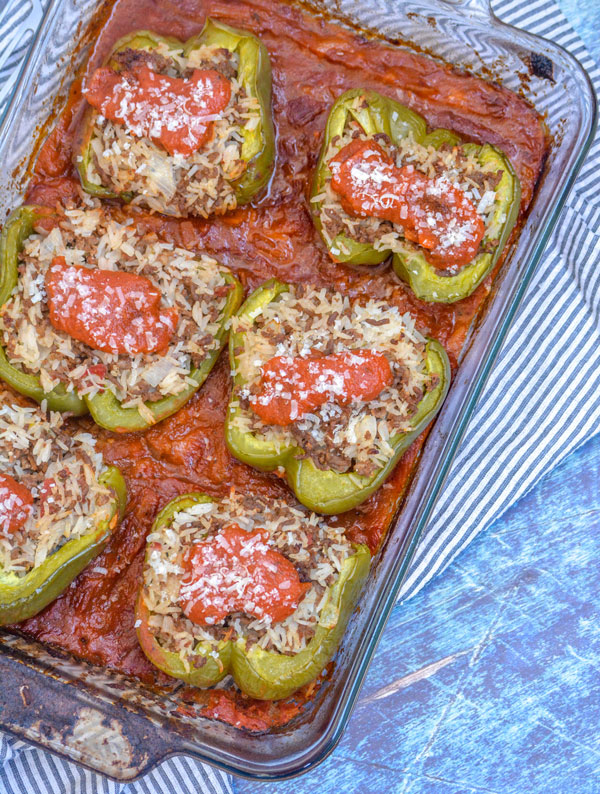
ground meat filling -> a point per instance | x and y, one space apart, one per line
129 59
314 548
221 60
60 470
192 288
355 437
199 184
448 166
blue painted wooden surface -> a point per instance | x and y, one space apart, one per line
489 679
584 16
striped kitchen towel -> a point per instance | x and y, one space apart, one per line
541 402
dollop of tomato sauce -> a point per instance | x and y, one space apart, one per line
172 111
16 501
292 386
109 310
433 212
314 60
237 571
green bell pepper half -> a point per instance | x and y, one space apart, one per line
104 407
254 73
19 225
328 491
379 114
266 675
21 597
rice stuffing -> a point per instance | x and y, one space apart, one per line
356 438
446 166
88 236
35 450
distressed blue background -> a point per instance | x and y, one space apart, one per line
489 679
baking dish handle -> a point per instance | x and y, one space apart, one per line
18 23
74 722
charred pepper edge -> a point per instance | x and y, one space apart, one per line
387 116
106 409
268 675
19 225
326 492
23 597
254 67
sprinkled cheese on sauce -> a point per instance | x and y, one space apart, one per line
175 112
432 211
237 571
110 310
291 387
16 501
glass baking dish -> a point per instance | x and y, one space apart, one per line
115 725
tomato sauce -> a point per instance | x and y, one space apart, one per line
313 61
293 386
108 310
16 501
215 569
243 712
434 213
172 111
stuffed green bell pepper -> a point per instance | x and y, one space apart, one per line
329 391
256 588
58 507
184 128
385 185
98 316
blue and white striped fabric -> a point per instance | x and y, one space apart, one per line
541 402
